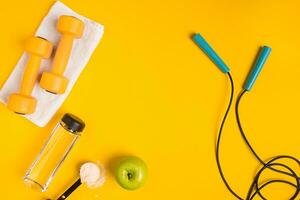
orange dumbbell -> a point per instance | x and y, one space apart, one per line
70 28
23 103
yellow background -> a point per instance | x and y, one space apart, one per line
149 91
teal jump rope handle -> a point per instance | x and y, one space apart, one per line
262 58
208 50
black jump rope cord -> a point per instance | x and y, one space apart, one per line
273 164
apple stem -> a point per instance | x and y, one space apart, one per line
129 175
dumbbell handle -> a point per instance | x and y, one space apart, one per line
30 74
62 54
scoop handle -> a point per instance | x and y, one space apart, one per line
71 189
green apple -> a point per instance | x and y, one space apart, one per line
131 173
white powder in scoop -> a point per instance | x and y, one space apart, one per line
92 175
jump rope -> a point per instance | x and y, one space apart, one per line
275 164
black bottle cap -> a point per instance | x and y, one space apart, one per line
73 123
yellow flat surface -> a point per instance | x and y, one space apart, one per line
149 91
